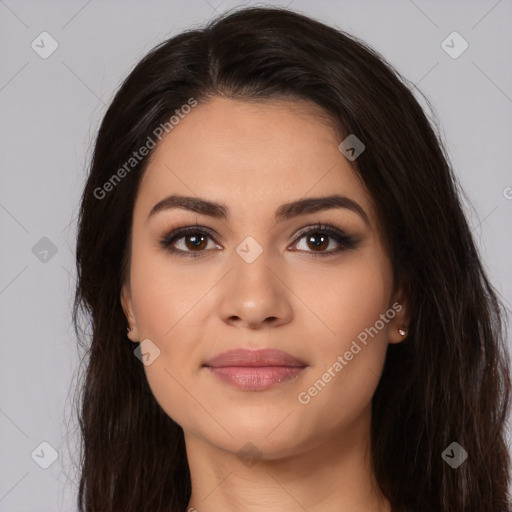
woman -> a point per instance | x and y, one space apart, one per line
271 218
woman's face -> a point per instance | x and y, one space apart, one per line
263 277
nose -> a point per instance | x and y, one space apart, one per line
255 296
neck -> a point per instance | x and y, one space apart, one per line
330 474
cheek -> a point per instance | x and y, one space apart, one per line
351 351
170 302
164 296
346 298
164 292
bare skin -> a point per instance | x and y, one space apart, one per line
253 158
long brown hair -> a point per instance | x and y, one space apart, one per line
450 381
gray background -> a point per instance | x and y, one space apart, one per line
51 109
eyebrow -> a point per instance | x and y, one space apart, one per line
284 212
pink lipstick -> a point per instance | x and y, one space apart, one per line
255 370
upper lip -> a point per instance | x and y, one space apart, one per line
254 357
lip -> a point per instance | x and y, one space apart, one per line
255 370
254 358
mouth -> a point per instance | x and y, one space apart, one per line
257 378
255 370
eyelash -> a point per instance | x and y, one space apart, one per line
345 241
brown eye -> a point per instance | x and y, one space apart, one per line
317 241
189 241
318 238
195 242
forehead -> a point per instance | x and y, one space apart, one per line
251 156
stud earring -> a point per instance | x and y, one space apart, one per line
401 331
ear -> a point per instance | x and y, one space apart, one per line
400 322
127 305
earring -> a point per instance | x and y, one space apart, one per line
402 331
128 329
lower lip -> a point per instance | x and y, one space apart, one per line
256 378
